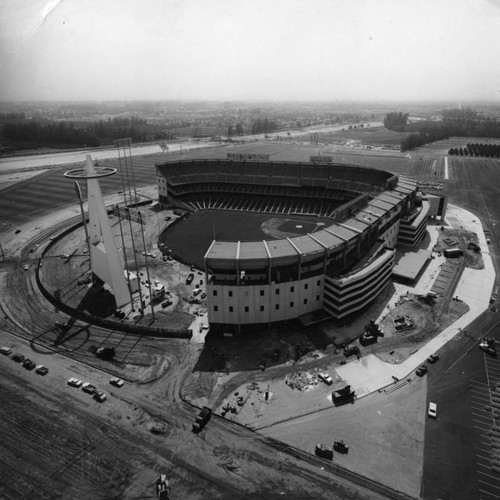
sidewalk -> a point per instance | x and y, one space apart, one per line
370 374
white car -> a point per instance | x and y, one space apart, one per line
432 412
26 267
117 382
325 378
74 382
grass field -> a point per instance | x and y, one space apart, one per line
192 237
376 136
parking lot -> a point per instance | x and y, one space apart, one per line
485 407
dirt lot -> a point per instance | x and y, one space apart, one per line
384 433
58 442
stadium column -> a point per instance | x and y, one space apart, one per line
269 259
238 283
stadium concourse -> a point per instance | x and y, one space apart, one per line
370 374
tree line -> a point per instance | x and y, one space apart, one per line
396 121
475 149
102 132
265 126
456 122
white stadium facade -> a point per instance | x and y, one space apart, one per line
331 272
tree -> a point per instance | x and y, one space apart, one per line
396 121
230 131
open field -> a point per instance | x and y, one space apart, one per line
368 136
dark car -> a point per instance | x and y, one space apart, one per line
99 396
189 279
42 370
18 358
421 370
29 364
433 358
105 352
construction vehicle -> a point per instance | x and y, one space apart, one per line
368 338
351 350
342 396
162 487
323 451
202 419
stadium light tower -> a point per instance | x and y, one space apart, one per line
105 260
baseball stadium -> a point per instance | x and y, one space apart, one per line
282 241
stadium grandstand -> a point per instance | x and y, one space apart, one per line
331 272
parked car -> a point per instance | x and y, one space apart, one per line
421 370
488 346
29 364
189 279
99 396
432 412
433 358
105 352
88 388
74 382
5 350
117 382
325 378
41 370
17 357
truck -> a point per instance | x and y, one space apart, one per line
202 419
323 451
342 396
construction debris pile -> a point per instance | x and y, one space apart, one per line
301 381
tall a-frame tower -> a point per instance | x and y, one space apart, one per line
105 261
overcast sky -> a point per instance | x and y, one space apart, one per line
250 49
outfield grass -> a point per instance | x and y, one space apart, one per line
192 237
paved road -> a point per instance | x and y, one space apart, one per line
66 158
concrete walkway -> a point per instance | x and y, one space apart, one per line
370 374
